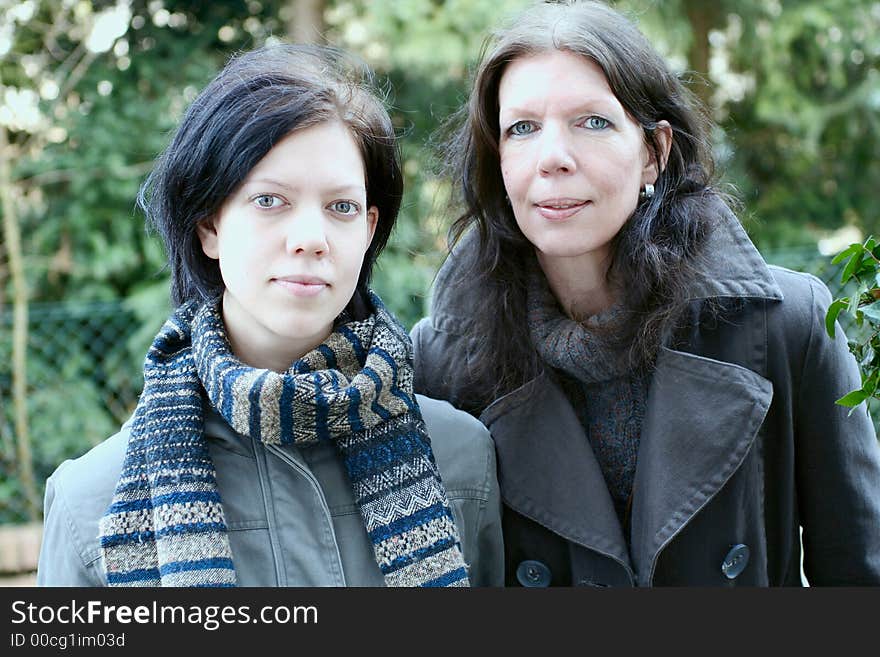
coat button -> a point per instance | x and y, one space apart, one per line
736 561
533 573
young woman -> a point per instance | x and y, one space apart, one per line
662 400
278 440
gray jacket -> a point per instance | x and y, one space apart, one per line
290 512
742 444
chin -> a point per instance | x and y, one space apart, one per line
566 249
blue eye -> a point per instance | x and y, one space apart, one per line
521 128
267 201
348 208
597 123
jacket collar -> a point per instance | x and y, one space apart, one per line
731 268
220 434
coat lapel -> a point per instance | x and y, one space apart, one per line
547 470
701 420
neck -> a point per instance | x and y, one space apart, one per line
266 347
579 283
265 358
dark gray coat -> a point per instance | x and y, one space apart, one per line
742 445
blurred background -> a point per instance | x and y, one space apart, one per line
90 91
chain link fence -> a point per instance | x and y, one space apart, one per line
84 375
83 379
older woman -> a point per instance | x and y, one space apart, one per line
662 400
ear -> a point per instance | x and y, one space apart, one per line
207 231
372 222
663 139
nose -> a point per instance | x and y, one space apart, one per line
306 233
555 155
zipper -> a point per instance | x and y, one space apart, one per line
307 474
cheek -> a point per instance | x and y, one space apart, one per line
511 174
352 244
515 184
618 177
242 256
505 174
512 162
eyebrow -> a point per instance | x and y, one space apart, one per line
585 107
269 181
339 189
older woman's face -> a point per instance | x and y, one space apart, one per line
573 161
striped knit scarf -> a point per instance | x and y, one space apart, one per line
165 525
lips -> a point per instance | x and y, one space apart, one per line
302 286
557 209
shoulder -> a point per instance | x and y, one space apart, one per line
800 315
801 289
77 495
92 477
798 345
431 340
440 357
462 447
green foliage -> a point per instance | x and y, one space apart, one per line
807 134
862 269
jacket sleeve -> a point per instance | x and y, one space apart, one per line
838 462
440 359
488 568
465 456
420 363
63 553
435 362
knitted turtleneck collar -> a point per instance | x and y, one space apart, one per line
579 349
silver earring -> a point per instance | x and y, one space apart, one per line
647 191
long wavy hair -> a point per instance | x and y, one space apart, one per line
655 250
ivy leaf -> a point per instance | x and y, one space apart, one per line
847 252
854 262
853 399
867 268
833 311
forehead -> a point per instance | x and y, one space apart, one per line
555 76
327 150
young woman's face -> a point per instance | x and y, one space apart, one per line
573 161
290 244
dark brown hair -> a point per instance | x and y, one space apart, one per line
655 250
259 98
